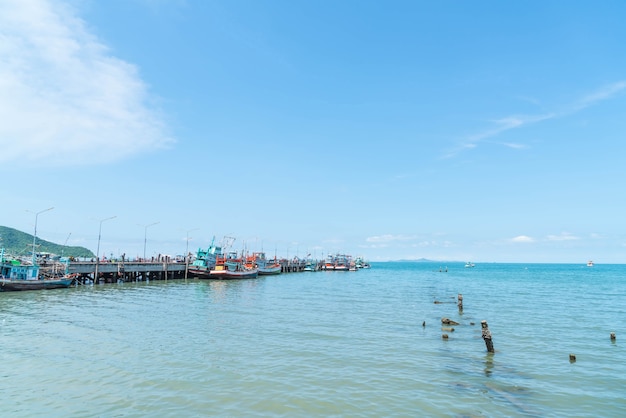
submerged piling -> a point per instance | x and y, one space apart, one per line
460 299
487 336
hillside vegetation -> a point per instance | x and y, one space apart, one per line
20 243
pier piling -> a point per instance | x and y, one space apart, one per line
487 336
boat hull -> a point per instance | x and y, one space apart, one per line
200 273
232 275
269 271
16 285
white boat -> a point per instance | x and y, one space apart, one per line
590 263
469 264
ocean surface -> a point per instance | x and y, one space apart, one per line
326 344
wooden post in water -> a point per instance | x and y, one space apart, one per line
487 336
460 299
612 336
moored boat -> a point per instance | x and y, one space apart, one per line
232 267
266 267
205 261
36 284
342 262
14 275
329 264
360 263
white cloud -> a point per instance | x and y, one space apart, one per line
522 238
63 97
565 236
389 238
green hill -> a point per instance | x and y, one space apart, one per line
20 243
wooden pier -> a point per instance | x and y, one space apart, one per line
133 271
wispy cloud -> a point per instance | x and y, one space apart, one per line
523 239
389 238
564 236
508 123
63 96
603 93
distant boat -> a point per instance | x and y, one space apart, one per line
361 263
589 263
309 264
469 264
329 264
342 262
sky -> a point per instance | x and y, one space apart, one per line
448 130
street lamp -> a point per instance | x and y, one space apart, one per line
145 238
95 279
35 234
187 253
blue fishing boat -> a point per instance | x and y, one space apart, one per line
15 275
205 261
266 267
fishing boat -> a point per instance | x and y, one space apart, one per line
329 264
15 275
205 261
590 263
309 265
342 262
360 263
266 267
469 264
232 267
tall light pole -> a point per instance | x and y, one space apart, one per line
35 234
95 279
187 253
145 238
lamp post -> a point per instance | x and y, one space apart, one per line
35 234
95 279
145 238
187 253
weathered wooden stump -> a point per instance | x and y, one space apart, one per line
444 336
447 329
487 336
612 336
572 358
448 321
460 299
424 323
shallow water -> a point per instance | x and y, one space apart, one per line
323 344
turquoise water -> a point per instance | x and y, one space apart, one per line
323 344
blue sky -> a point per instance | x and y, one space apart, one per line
484 131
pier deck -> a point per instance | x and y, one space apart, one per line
114 271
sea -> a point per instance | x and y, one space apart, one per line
324 344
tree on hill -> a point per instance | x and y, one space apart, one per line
20 243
